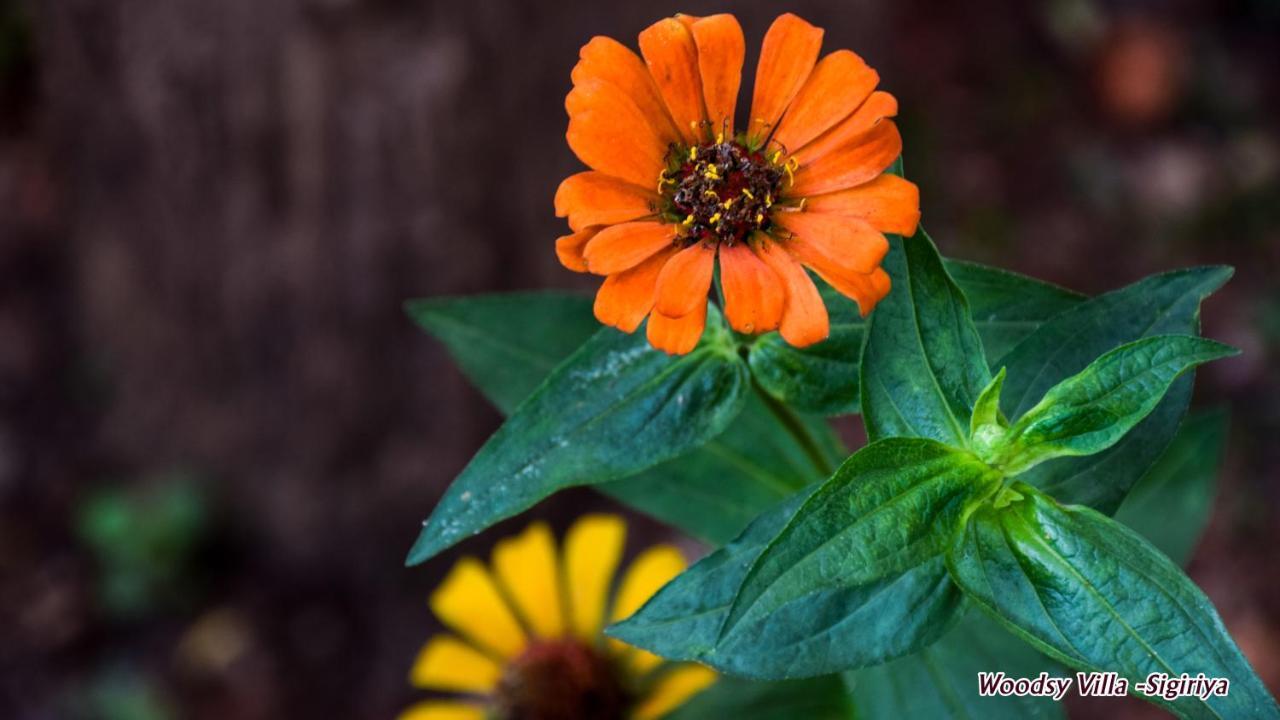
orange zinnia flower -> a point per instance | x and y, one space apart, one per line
672 186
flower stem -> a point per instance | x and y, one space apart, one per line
798 430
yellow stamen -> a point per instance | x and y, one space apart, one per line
712 173
748 194
693 153
802 202
688 220
714 219
720 138
776 154
710 193
759 218
726 203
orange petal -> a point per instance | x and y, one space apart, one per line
889 203
677 336
622 247
753 294
569 249
684 282
879 105
612 62
625 298
839 84
846 243
721 49
593 198
866 290
672 56
787 56
804 317
854 164
610 134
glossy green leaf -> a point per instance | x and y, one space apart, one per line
1171 504
1158 305
940 681
1097 596
855 577
613 408
821 698
1007 307
922 364
1091 410
507 343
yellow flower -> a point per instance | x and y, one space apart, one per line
529 642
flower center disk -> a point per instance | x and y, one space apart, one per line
720 192
561 680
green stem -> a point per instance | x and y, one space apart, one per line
798 430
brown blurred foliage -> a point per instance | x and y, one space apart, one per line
210 213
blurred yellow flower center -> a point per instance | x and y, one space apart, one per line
561 680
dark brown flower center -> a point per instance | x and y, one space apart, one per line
561 680
720 192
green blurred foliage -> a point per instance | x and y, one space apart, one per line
142 539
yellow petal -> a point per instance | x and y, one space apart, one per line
641 661
468 601
529 570
592 548
443 710
447 663
650 571
673 689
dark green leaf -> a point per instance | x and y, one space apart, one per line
1065 345
1091 410
1005 306
507 344
614 408
1171 504
1095 595
854 578
821 698
715 491
922 365
940 681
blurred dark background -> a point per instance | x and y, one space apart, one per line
219 432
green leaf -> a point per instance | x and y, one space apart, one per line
1007 307
1091 410
1171 504
506 344
1158 305
922 364
614 408
821 378
988 424
821 698
1095 595
940 681
715 491
853 578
